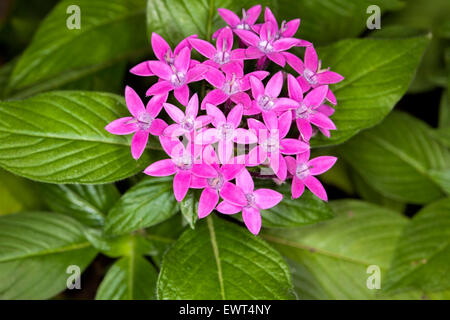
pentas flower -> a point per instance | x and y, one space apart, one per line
304 170
231 86
307 111
248 200
266 100
163 53
273 144
186 122
176 76
266 43
247 21
311 74
183 163
327 111
286 30
142 123
213 186
221 55
226 131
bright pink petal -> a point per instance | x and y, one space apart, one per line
311 59
274 85
293 146
182 94
181 183
322 121
244 136
256 156
282 169
208 201
122 126
182 60
216 113
198 182
225 150
134 103
267 198
229 16
331 97
270 119
207 137
295 62
297 188
196 73
161 69
203 170
233 194
245 83
284 124
192 107
184 43
245 181
161 168
159 88
228 208
138 143
252 219
230 171
328 77
174 112
285 44
157 127
160 46
278 58
291 164
225 40
155 104
291 28
214 97
215 77
316 96
257 127
303 157
142 69
204 47
257 87
325 109
294 89
253 14
248 37
321 164
283 104
235 115
253 53
305 129
316 187
241 98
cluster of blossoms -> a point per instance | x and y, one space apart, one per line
240 113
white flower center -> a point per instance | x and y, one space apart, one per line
144 121
303 112
310 76
222 57
266 103
265 46
250 197
178 79
184 162
188 123
302 170
272 144
226 131
216 182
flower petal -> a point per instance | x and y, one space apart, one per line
316 187
322 121
215 77
257 87
267 198
248 37
253 14
274 85
225 40
230 171
157 127
328 77
160 46
285 44
284 124
244 136
216 113
245 181
182 94
291 164
282 169
192 107
159 88
134 103
142 69
161 69
278 58
297 188
228 208
181 183
203 47
182 60
295 62
290 28
305 129
196 73
256 156
155 104
161 168
229 16
233 194
138 143
252 219
311 59
235 115
214 97
203 170
321 164
316 96
293 146
207 137
208 201
174 112
294 89
122 126
225 150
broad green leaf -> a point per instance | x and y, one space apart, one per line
330 259
177 19
220 260
110 31
189 208
149 202
442 135
377 74
130 278
88 204
290 212
396 160
422 258
36 249
327 21
5 73
59 137
18 194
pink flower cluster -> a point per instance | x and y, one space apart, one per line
239 113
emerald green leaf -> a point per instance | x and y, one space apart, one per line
58 55
396 161
442 135
36 249
327 21
59 137
330 259
175 20
220 260
422 258
149 202
130 278
88 204
377 74
189 208
290 212
18 194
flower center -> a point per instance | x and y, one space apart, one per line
226 131
178 79
272 144
188 123
310 76
243 26
250 197
222 57
216 182
265 46
303 112
184 162
232 86
144 121
302 171
266 103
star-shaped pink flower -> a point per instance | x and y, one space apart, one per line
304 171
142 122
247 21
243 197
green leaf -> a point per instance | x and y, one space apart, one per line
422 258
442 135
396 161
220 260
18 194
444 111
88 204
189 208
290 212
148 203
377 74
327 21
36 248
110 31
130 278
175 20
330 259
59 137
